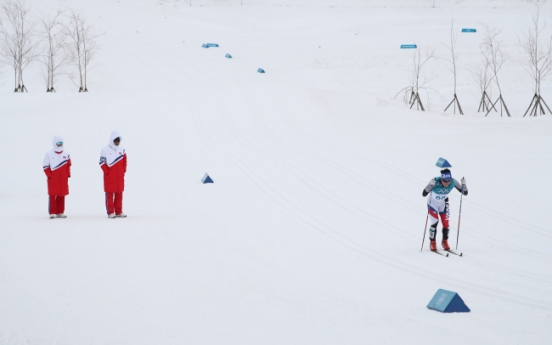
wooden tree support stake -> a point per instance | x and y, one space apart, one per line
416 100
483 105
502 104
455 102
537 103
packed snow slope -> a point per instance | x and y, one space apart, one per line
311 233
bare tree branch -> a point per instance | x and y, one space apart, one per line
452 48
54 41
81 46
481 74
418 79
538 59
491 48
454 58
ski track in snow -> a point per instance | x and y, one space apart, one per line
289 206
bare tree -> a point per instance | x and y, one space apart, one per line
8 46
491 48
16 38
54 41
453 60
482 76
89 49
538 60
418 79
81 47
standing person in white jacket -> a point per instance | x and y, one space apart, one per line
113 161
57 167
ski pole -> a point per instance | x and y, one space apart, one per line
425 228
459 215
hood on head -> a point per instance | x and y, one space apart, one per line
55 140
114 134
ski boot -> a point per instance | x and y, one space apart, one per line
433 245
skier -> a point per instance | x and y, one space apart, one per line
57 167
113 161
438 204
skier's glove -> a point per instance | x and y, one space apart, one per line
463 180
432 182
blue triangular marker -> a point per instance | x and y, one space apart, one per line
207 179
457 305
448 302
260 70
228 56
443 163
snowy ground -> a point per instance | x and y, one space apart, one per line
312 230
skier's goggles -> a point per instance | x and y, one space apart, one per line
59 143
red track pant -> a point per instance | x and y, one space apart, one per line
56 204
114 203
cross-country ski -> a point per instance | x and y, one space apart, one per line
445 254
451 251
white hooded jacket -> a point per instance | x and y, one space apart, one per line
57 157
111 154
